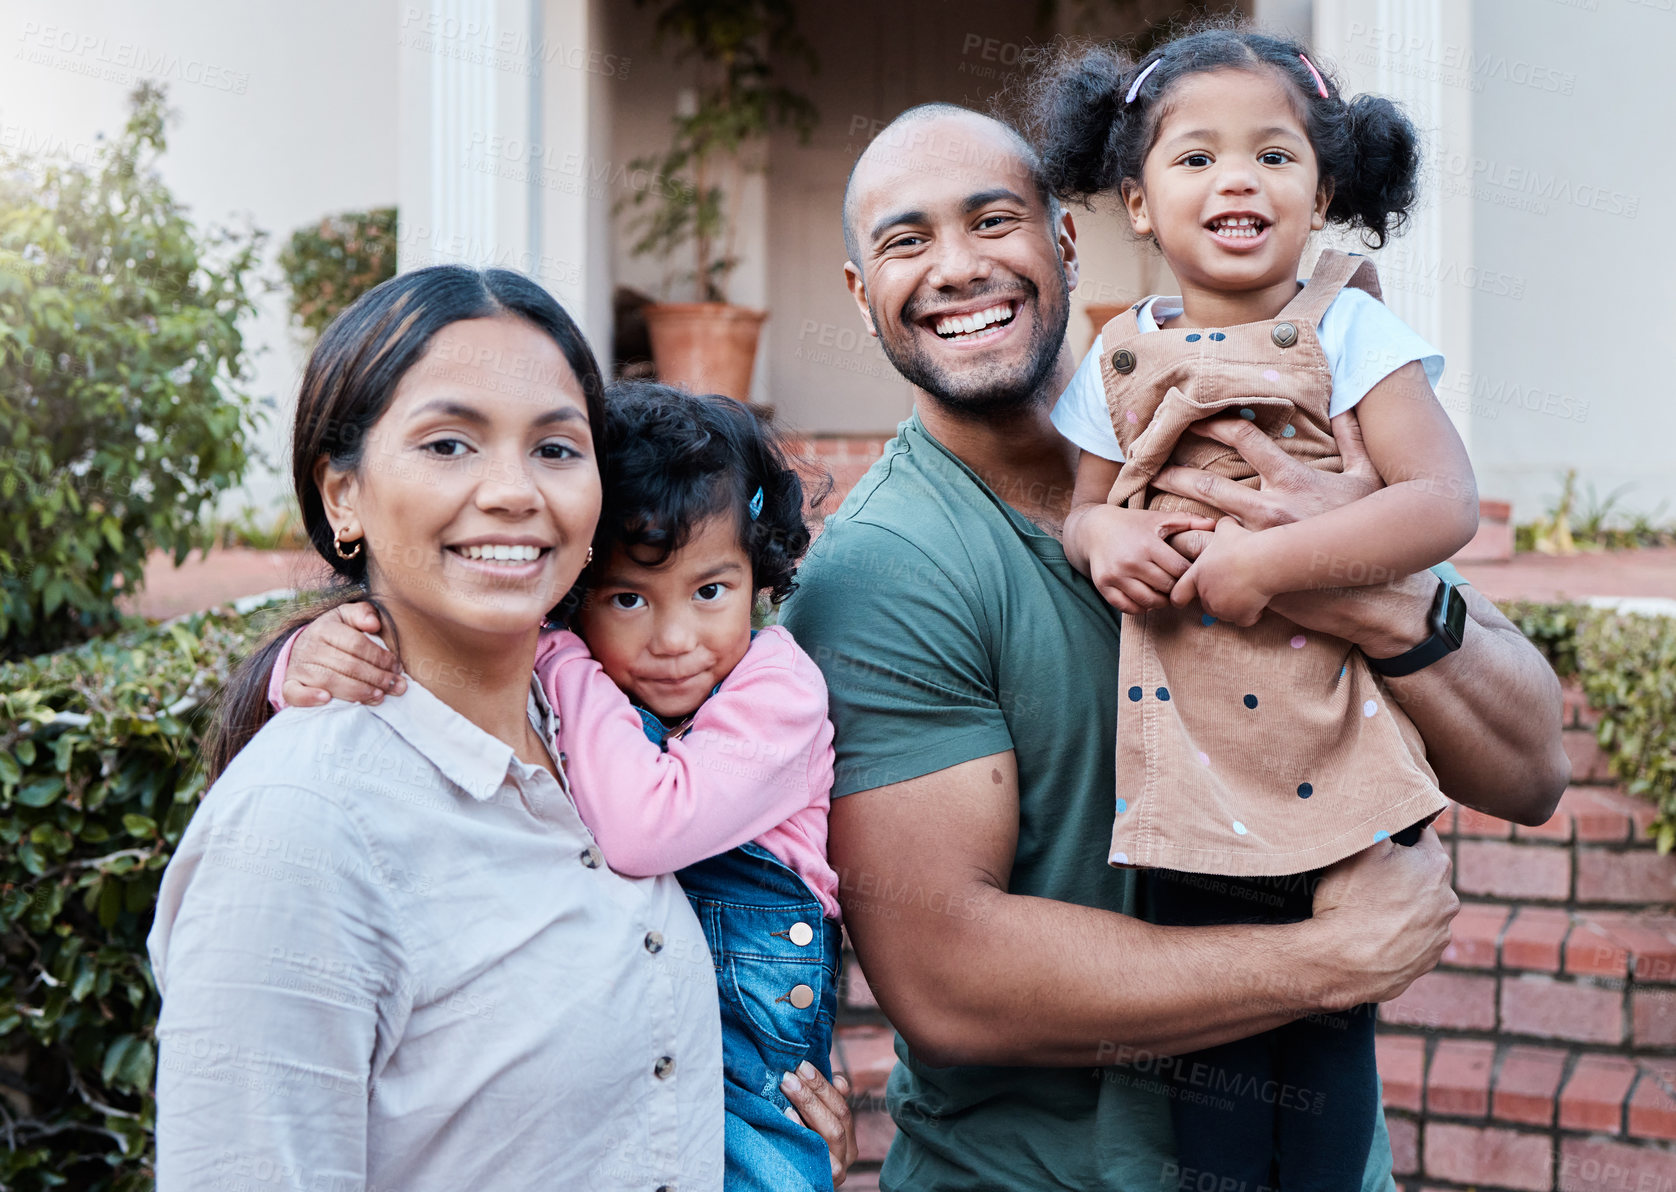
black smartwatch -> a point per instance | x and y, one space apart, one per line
1447 619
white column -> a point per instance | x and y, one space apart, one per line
1417 52
503 107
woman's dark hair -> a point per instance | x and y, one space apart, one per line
1092 141
670 459
351 376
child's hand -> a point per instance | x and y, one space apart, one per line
1130 562
1226 578
332 659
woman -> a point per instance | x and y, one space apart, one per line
389 953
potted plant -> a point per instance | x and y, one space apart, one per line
709 345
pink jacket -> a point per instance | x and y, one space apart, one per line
755 765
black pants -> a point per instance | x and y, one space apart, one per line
1292 1108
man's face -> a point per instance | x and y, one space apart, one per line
961 277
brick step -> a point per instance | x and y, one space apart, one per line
1594 851
1498 1116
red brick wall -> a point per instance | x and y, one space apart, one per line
1542 1052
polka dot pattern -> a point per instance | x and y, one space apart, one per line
1286 432
1134 695
1218 336
1193 338
1239 828
1248 413
1164 694
1206 620
1370 708
1120 858
1204 758
1305 790
1269 374
1132 417
1122 806
1298 640
1251 701
1382 834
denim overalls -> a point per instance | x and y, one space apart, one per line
776 958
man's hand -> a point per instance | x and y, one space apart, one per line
1227 577
1387 911
1288 489
1129 560
332 659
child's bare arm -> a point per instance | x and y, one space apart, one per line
1426 512
1124 551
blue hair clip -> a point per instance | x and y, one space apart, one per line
756 504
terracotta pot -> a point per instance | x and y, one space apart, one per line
705 347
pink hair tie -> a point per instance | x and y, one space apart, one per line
1320 84
1135 87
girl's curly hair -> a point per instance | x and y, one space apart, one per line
1091 140
670 459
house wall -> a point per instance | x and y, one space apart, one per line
1573 188
285 113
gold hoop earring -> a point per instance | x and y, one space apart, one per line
337 545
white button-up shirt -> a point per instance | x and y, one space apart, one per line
392 958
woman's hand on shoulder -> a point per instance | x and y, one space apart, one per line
332 658
825 1108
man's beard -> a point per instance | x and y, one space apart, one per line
984 389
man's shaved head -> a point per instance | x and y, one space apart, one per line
901 137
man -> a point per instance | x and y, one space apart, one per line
972 674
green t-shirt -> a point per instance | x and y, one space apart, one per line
948 628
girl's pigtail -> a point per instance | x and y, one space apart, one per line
1379 190
1077 116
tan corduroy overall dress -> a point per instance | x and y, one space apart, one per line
1245 752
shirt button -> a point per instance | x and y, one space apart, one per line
664 1068
654 942
1284 335
801 934
592 857
801 996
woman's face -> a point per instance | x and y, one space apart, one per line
478 492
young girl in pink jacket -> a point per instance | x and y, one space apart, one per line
694 744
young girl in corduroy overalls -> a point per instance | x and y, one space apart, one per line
1250 752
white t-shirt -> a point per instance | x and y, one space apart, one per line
1364 343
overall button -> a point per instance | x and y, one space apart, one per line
1284 335
1123 361
654 942
664 1068
592 857
801 996
801 934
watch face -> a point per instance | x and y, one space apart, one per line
1453 621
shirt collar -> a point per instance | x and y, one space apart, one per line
467 756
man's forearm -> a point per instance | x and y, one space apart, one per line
1042 983
1489 713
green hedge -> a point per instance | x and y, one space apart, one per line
330 264
1626 664
99 774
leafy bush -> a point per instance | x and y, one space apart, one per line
99 774
330 264
1627 666
120 359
